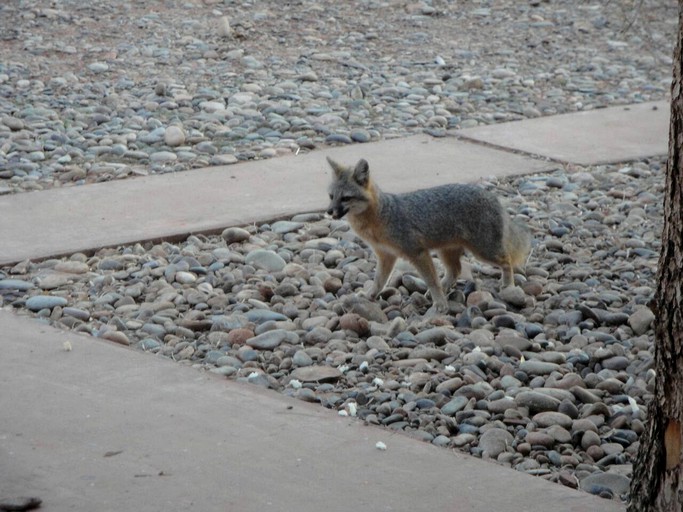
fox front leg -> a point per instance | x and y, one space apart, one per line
385 264
425 266
451 259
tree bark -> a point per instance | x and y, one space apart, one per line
657 483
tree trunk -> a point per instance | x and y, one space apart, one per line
657 483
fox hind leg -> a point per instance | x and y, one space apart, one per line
505 264
508 278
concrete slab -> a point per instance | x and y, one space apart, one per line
62 221
107 428
615 134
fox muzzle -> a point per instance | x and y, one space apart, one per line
338 212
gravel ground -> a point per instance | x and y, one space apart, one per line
551 377
101 90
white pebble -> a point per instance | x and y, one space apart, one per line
174 136
185 277
380 445
224 29
205 287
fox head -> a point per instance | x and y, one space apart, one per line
350 190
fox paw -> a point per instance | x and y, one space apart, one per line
437 309
368 295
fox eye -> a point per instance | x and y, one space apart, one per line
331 196
347 198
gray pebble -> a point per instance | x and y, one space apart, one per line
174 136
618 484
39 302
316 374
301 358
537 401
495 441
538 367
15 284
514 295
268 340
550 418
456 404
264 259
641 320
235 235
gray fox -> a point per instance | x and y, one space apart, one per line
448 219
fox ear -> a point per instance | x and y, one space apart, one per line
337 168
361 173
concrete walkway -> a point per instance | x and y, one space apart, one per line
104 428
67 220
616 134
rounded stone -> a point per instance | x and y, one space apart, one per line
149 344
495 441
117 337
98 67
174 136
235 235
163 157
283 227
301 358
183 277
13 123
15 284
514 295
550 418
355 323
540 439
81 314
538 367
616 363
456 404
589 439
72 267
618 484
537 402
641 320
268 340
360 136
266 260
260 316
239 336
39 302
316 374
